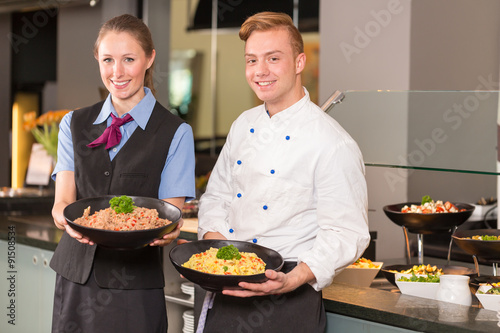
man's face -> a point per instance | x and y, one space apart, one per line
272 70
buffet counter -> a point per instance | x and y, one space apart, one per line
388 307
378 305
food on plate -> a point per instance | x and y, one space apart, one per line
122 215
414 278
429 206
226 261
491 284
421 270
491 291
484 237
364 263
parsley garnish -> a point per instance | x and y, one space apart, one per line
122 204
228 252
426 198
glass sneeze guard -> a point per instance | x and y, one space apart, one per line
450 131
430 130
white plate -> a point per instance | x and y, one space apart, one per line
418 289
187 285
187 291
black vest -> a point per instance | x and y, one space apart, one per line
135 170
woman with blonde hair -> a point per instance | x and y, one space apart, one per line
128 144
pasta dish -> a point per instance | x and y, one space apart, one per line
207 262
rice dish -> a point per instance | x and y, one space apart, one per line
107 219
207 262
364 263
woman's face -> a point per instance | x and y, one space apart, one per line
123 64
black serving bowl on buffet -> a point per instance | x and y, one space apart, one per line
428 223
132 239
214 282
476 281
455 270
487 250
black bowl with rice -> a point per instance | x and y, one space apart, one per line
120 236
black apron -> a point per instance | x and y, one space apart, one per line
301 310
89 308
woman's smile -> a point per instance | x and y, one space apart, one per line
123 64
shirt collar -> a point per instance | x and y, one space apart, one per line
141 112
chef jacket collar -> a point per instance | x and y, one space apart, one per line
290 111
141 112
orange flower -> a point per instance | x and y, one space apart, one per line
29 125
29 116
45 128
50 117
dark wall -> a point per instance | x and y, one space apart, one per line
232 13
5 101
27 60
34 48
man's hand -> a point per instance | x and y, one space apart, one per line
277 283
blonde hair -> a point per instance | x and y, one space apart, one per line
265 21
137 29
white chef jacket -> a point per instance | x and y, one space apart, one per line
293 182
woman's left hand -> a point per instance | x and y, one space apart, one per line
170 237
277 283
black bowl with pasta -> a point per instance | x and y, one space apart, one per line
214 282
130 239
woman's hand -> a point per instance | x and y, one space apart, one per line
170 237
78 236
277 283
61 223
64 195
57 214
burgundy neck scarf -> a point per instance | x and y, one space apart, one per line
111 135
